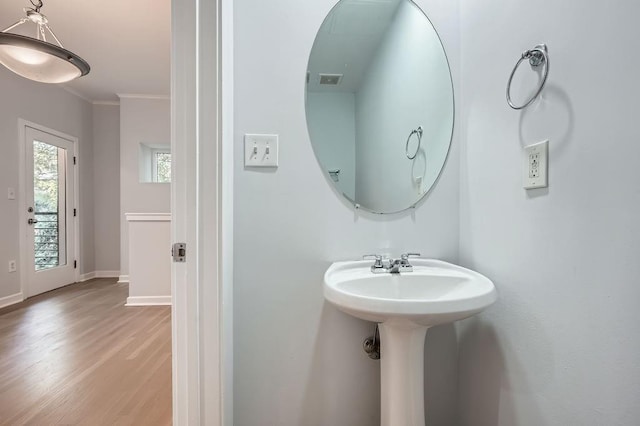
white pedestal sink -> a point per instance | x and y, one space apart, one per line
406 305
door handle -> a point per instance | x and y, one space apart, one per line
32 221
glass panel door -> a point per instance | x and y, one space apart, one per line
50 235
49 210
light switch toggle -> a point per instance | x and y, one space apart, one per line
260 150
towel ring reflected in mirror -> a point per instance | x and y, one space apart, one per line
358 118
537 56
417 132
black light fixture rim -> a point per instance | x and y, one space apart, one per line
43 46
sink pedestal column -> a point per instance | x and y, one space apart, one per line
402 373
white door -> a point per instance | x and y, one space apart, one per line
202 214
49 196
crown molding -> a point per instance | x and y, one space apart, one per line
108 103
142 96
75 93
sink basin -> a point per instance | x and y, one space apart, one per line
406 305
434 293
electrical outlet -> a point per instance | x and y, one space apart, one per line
13 266
11 193
261 150
535 165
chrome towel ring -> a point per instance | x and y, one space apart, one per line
417 132
537 56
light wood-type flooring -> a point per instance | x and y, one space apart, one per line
78 356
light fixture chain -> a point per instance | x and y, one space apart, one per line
54 35
41 28
37 6
10 27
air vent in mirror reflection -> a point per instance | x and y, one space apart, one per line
330 79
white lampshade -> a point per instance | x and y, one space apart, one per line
40 61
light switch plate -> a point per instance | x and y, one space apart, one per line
260 150
535 165
13 266
11 193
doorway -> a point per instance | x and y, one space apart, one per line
49 213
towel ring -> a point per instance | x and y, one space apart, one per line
418 132
537 56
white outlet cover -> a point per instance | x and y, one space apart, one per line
260 150
12 266
535 165
11 193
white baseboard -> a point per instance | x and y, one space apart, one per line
86 277
99 274
148 301
11 300
107 274
123 279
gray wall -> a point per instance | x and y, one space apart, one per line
141 120
52 107
297 360
561 345
106 173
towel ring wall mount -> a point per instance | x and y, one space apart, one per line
537 56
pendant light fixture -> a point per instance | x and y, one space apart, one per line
36 58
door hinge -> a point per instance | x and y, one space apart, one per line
75 212
179 252
75 160
75 264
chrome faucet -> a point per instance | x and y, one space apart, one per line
391 266
380 265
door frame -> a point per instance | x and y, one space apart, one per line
22 198
202 211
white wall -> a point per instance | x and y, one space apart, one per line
298 361
150 268
106 177
332 122
404 88
141 120
52 107
561 345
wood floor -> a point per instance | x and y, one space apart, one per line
78 356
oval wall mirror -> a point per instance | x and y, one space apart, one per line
379 103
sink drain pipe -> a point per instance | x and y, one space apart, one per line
371 345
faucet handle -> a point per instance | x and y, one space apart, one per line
406 256
380 265
377 257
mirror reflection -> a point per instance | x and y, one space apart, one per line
379 103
